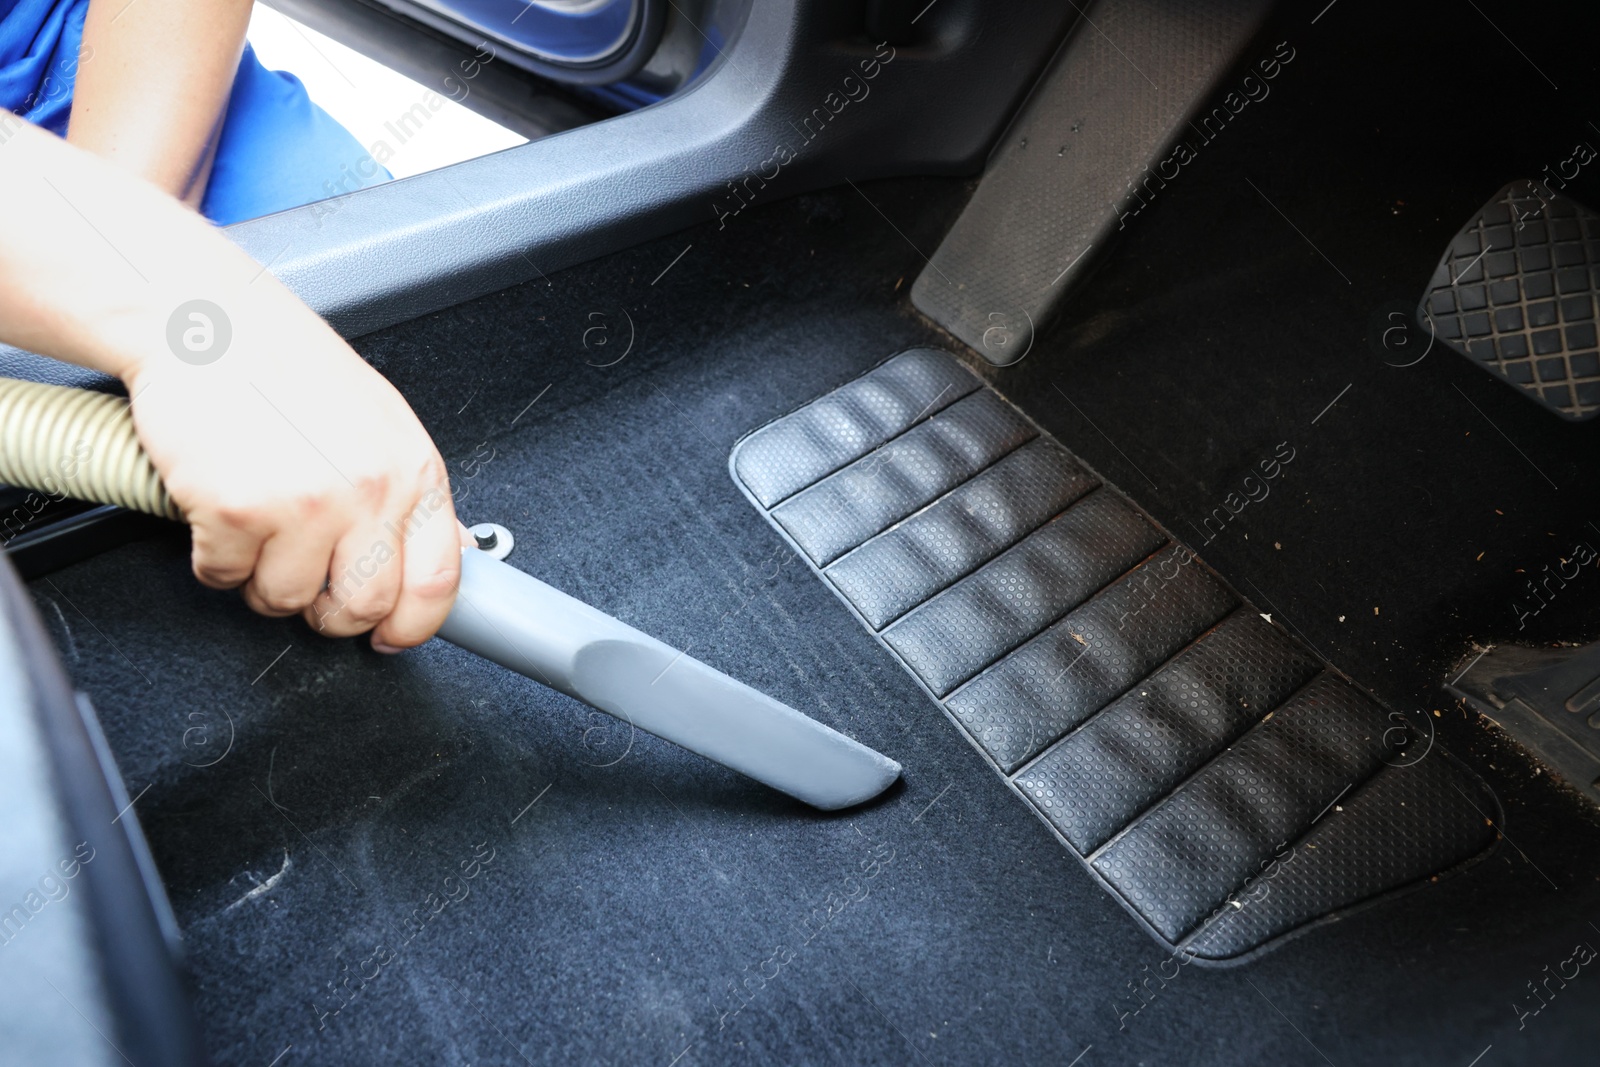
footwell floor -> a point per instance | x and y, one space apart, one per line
430 860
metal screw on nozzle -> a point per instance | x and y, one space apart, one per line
493 539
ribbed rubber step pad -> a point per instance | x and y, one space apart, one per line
1087 659
849 422
1185 748
1403 825
1516 293
1139 749
971 624
908 563
1200 843
864 498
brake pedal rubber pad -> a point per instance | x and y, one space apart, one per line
1211 772
1515 293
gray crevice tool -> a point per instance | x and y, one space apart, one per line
500 613
519 622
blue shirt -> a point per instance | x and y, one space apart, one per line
277 149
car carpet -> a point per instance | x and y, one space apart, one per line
316 809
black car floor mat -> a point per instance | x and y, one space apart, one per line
306 799
1222 781
652 908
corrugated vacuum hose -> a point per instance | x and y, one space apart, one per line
72 442
77 443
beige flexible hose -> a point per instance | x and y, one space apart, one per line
77 443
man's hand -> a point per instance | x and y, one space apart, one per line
308 483
306 478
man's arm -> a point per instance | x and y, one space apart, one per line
152 95
296 464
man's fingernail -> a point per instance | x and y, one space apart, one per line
387 650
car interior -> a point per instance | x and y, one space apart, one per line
1163 430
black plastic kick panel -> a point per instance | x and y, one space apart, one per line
1214 774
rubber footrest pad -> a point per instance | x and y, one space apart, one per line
1135 82
1217 777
